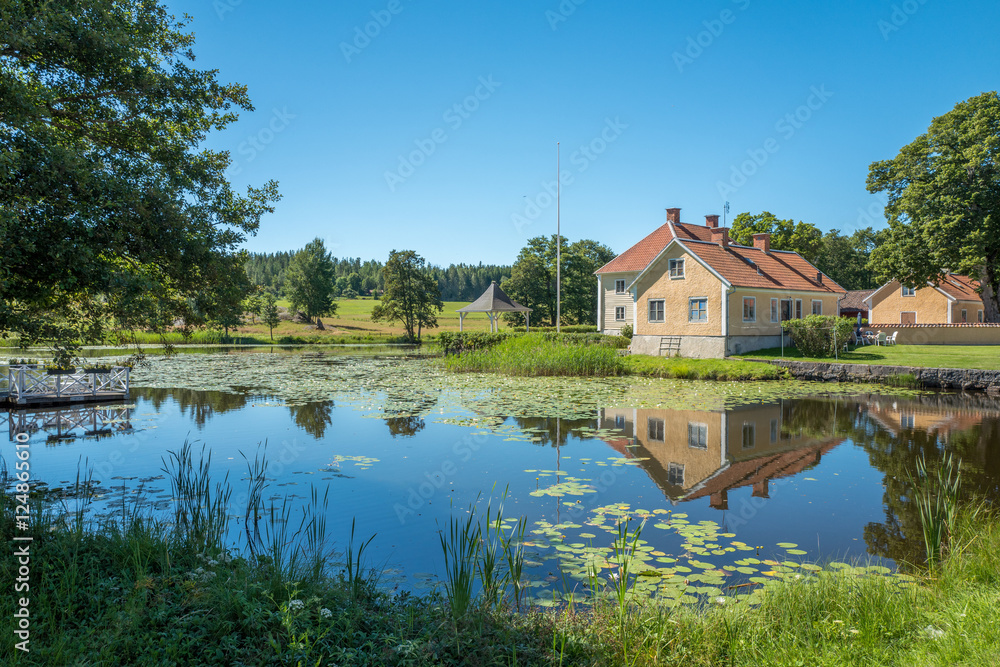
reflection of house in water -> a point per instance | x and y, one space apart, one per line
696 453
896 416
67 423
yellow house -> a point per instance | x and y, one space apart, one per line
687 289
952 300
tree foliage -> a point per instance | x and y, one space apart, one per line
801 237
110 212
411 297
532 280
309 280
269 312
943 205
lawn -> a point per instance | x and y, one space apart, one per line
354 317
986 357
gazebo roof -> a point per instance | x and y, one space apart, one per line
494 300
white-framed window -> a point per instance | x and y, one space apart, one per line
774 430
654 428
817 307
774 310
698 309
965 316
697 435
749 435
656 310
909 291
676 267
749 309
620 286
980 316
675 474
619 313
906 420
798 309
620 422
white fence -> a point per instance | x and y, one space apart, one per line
30 384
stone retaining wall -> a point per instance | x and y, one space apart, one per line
936 378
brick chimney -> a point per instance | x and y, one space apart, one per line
762 242
712 221
674 215
720 235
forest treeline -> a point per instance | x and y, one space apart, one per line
457 282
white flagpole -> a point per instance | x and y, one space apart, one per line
558 250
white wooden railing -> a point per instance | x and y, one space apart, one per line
28 383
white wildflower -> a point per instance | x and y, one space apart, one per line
296 604
213 563
720 600
325 613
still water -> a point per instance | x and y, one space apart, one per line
400 447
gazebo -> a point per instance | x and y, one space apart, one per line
494 301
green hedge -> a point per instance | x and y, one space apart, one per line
819 335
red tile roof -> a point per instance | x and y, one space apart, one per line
752 267
641 254
737 264
960 287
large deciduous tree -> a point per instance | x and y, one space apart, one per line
801 237
110 212
411 297
309 280
532 280
943 205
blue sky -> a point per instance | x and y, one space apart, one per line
432 126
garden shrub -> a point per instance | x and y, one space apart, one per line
626 331
819 335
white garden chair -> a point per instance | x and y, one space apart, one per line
881 340
892 339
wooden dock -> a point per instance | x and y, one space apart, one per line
30 385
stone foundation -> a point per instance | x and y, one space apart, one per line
932 378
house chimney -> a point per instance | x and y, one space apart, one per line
674 215
762 242
712 221
720 235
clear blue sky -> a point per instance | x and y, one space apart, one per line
671 100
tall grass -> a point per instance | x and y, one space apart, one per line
533 354
936 496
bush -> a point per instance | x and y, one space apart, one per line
459 342
819 335
626 331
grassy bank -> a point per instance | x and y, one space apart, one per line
701 369
537 354
534 354
983 357
134 590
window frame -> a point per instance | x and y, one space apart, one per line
775 310
816 302
965 316
675 268
622 309
691 301
751 428
699 429
980 316
907 291
798 309
619 281
673 469
662 309
660 426
753 309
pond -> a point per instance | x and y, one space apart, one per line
731 479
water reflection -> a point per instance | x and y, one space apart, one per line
57 424
313 418
694 454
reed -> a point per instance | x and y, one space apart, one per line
536 355
936 496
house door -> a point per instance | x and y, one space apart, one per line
907 317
